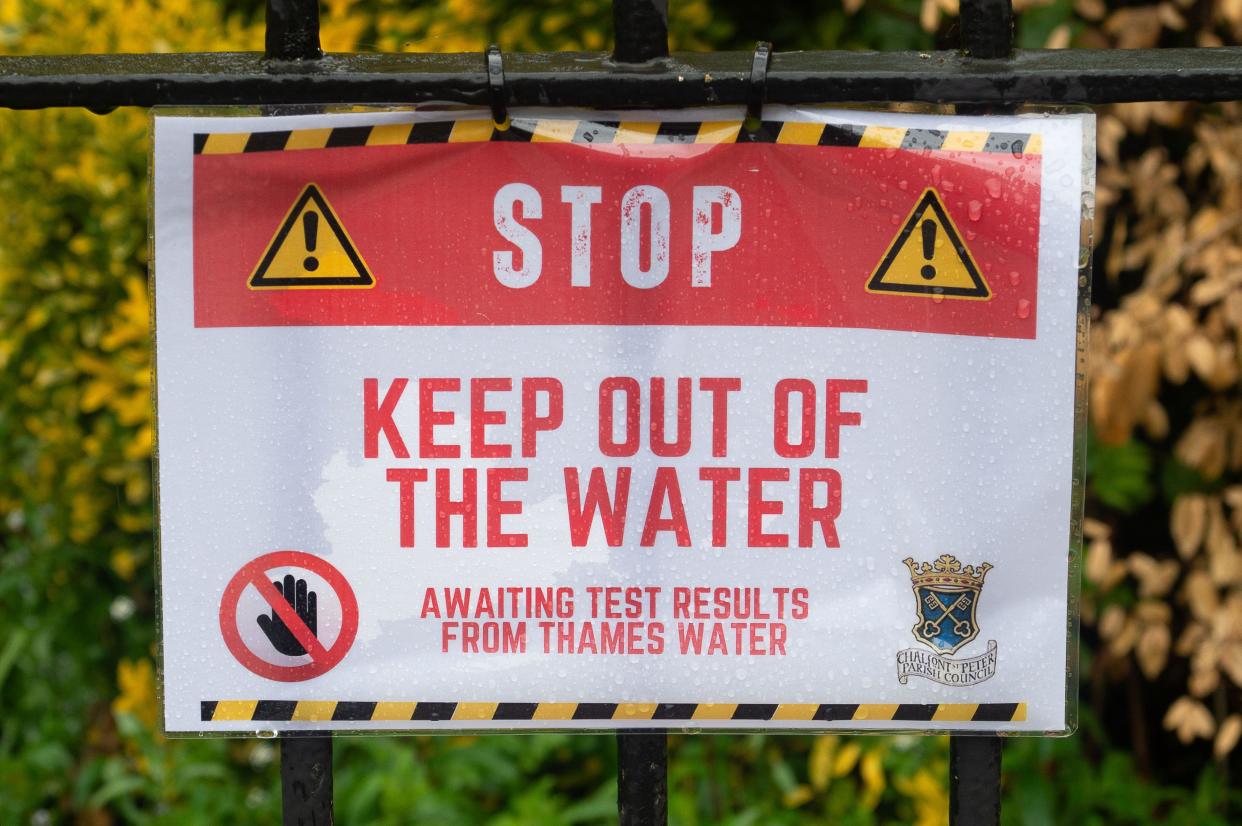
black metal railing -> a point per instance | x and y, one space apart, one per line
641 72
986 72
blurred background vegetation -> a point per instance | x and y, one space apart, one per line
1162 596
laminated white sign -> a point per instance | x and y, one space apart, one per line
619 420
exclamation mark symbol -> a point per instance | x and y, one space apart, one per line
310 228
929 248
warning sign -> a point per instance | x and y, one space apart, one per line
291 648
928 257
627 429
311 250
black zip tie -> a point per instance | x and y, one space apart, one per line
757 89
496 86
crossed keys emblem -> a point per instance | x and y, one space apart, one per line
961 627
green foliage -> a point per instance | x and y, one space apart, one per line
1051 782
1040 20
1119 475
1177 479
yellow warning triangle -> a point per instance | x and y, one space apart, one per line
928 257
311 250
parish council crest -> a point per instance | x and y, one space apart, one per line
946 597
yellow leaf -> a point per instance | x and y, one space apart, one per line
872 772
124 563
140 447
136 690
819 764
94 396
845 760
133 522
798 796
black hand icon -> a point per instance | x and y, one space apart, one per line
306 606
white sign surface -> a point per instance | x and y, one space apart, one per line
617 420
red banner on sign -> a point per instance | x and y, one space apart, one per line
546 233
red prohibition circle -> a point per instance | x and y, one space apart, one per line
255 574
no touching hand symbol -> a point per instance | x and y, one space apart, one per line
292 627
304 603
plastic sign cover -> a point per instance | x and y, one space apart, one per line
598 420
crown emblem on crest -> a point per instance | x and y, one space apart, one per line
946 570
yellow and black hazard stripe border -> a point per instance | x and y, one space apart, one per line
619 132
217 711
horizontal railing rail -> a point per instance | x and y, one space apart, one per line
1063 76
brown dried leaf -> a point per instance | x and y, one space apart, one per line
1206 223
1059 38
1145 308
1153 610
1227 737
1232 308
1121 645
1206 656
1122 390
1155 578
1109 133
1170 17
1190 719
1152 650
1192 636
1230 10
1095 529
1202 355
1176 364
1203 681
1112 621
1226 373
1099 560
1202 447
1156 420
1209 291
1116 573
1235 437
1201 595
1188 522
1231 662
1229 620
1217 525
1232 496
1225 568
1090 9
1179 323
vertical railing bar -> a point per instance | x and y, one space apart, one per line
292 30
642 777
640 30
640 34
974 780
306 779
987 28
